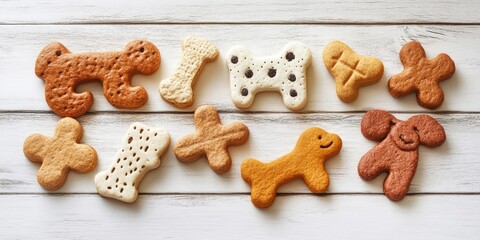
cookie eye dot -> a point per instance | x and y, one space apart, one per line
292 77
248 73
290 56
244 92
234 59
272 72
142 49
58 53
293 93
319 137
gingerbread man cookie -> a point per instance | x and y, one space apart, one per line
306 161
60 153
141 151
421 75
285 73
350 70
397 153
211 139
177 90
62 71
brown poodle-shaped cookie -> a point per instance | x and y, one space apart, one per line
62 71
397 153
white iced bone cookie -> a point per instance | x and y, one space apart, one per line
177 90
140 153
284 72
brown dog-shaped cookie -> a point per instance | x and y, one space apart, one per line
421 75
397 153
211 139
306 161
62 71
60 153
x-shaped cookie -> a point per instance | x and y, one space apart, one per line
421 75
211 139
60 153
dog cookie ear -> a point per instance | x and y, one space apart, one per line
376 124
430 132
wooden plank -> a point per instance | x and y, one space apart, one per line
249 11
234 217
450 168
20 46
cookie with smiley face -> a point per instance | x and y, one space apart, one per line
306 161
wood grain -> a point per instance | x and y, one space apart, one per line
20 46
248 11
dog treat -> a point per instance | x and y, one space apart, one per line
177 90
421 75
60 153
62 71
306 162
350 70
397 153
285 73
140 153
211 139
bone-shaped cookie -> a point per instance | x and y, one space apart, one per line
285 73
62 71
350 70
306 162
140 153
60 153
421 75
211 139
177 90
397 153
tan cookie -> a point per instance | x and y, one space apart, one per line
177 90
350 70
62 71
60 153
306 162
421 75
397 153
211 139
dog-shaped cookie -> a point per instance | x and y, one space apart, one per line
397 153
306 161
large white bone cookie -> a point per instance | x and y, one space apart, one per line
285 73
140 153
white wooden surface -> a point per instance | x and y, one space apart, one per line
189 200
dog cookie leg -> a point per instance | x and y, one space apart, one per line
263 191
177 90
317 180
398 181
122 95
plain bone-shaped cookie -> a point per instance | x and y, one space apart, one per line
60 153
350 70
284 73
397 153
177 90
140 153
211 139
421 75
62 71
306 162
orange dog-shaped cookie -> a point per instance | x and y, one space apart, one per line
306 161
62 71
60 153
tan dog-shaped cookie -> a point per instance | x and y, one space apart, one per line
62 71
306 162
60 153
211 139
177 90
350 70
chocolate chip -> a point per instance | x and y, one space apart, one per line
248 73
290 56
293 93
244 92
292 77
234 59
272 72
